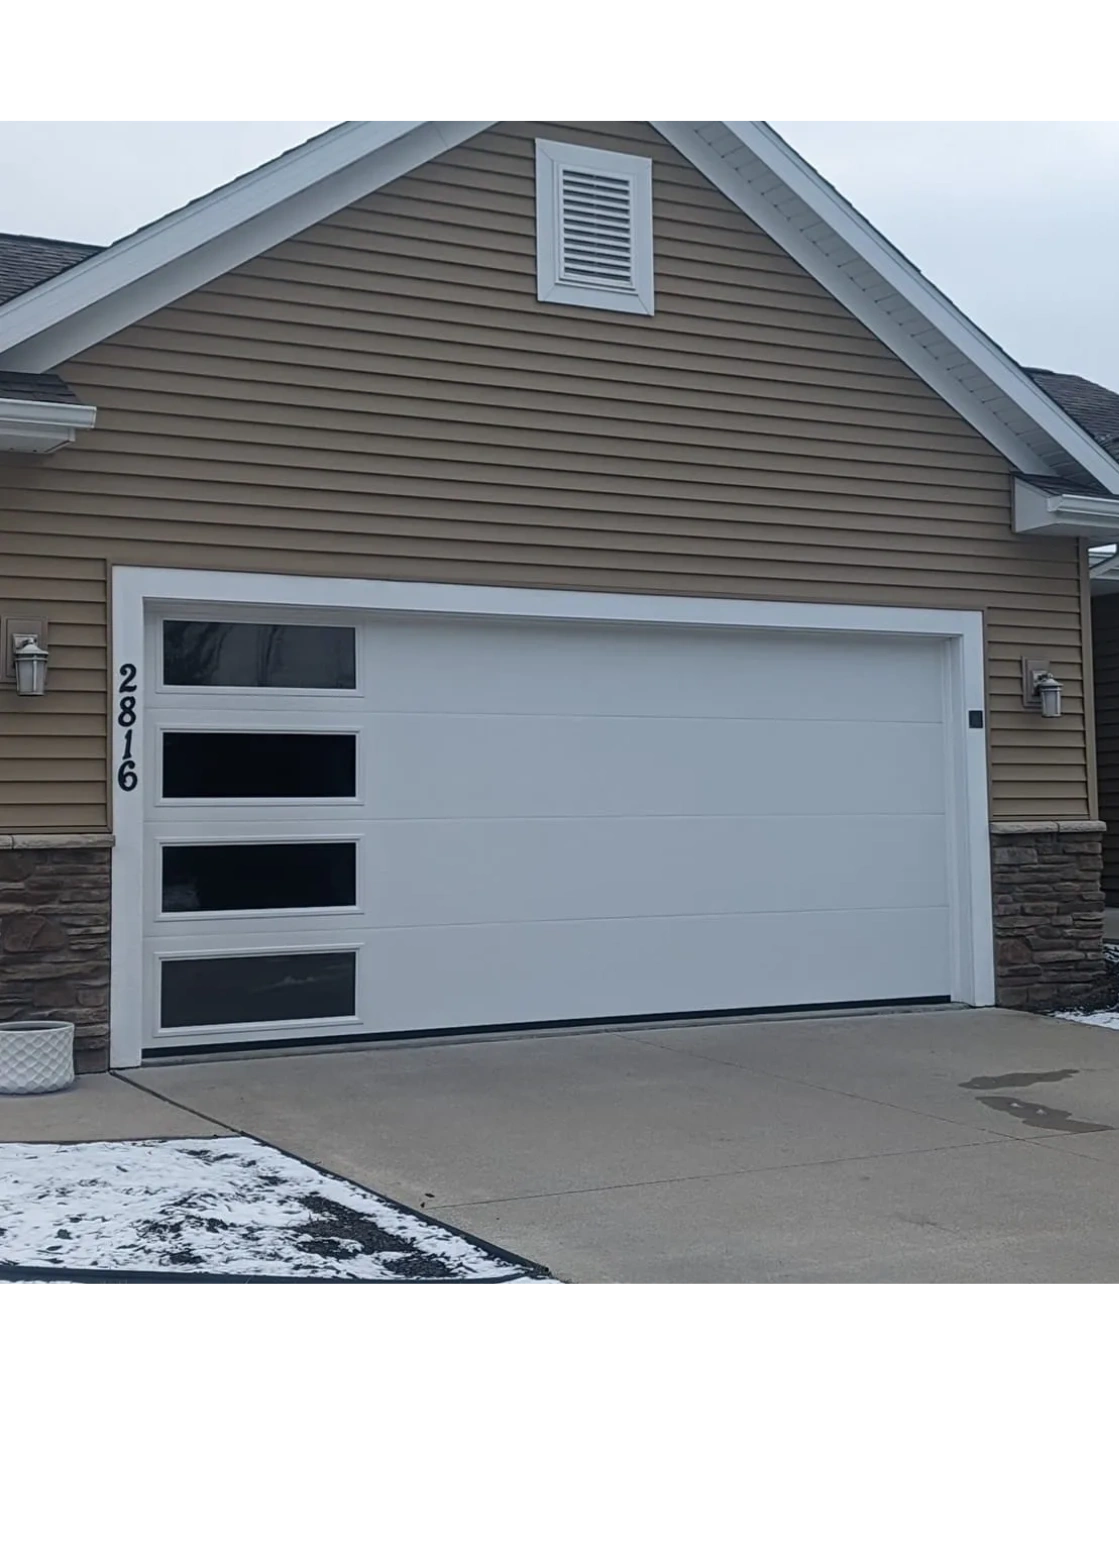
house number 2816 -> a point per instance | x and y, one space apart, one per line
127 778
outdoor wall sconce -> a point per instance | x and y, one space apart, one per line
1040 688
29 660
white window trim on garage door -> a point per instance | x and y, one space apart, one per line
135 590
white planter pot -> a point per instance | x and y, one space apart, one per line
36 1056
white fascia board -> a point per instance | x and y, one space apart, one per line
1037 512
805 252
38 427
159 264
937 309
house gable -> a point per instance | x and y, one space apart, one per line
382 395
751 165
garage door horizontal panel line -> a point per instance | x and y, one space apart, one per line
624 717
164 824
518 922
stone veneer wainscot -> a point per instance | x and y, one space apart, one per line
54 924
54 935
1048 901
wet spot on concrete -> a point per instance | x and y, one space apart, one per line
1058 1120
1016 1079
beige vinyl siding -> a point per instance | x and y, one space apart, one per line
52 749
383 396
1105 647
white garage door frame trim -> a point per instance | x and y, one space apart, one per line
136 590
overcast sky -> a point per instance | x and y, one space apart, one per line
1017 222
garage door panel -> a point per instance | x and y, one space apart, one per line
478 975
479 767
554 669
563 821
451 872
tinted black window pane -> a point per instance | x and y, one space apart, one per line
268 988
215 765
248 653
293 876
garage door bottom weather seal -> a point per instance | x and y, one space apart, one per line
232 1049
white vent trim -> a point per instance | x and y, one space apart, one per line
594 228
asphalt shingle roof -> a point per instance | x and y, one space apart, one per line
1093 406
33 388
27 261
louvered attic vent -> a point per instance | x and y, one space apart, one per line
594 228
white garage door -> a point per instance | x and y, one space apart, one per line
422 823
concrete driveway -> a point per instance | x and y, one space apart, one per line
932 1146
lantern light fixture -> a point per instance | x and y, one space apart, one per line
29 659
1040 687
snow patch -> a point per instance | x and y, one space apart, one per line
224 1205
1104 1019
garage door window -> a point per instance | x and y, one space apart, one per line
259 765
257 988
251 655
295 875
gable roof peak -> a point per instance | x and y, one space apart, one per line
747 161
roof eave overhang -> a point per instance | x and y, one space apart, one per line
747 161
37 428
1087 515
962 332
178 254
